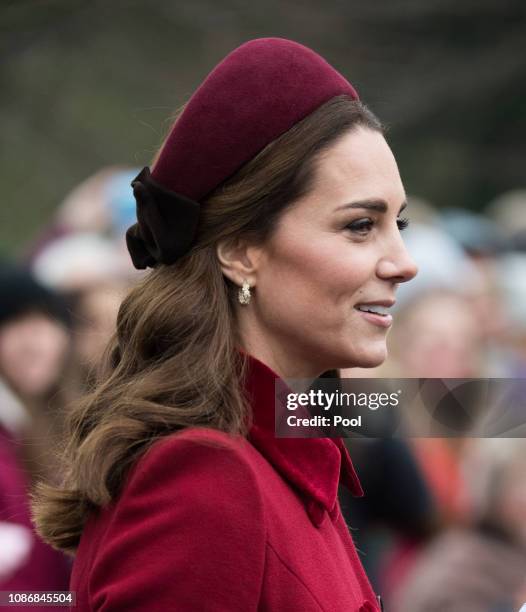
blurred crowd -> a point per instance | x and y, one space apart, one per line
443 523
58 308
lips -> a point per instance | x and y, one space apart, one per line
379 307
376 313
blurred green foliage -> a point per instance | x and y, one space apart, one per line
89 83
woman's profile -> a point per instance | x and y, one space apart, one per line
271 221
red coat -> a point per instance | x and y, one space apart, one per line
212 522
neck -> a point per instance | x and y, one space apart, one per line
285 356
284 364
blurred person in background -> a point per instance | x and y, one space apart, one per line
34 351
479 566
82 255
437 337
289 191
86 268
35 360
96 310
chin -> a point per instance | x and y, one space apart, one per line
368 358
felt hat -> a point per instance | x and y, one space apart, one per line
257 93
22 293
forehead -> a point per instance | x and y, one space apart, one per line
360 165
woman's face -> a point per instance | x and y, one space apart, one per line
33 352
97 317
334 252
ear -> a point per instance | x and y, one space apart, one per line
239 261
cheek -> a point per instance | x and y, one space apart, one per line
311 279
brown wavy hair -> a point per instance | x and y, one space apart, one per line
172 362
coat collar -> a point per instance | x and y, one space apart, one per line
315 466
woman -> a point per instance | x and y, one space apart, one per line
35 345
35 363
271 221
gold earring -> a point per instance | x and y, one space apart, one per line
244 294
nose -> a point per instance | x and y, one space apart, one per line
397 265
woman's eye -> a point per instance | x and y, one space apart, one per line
402 223
361 226
365 225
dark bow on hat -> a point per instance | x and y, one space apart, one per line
166 223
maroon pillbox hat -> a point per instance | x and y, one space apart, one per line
258 92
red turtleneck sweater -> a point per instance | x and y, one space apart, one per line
209 522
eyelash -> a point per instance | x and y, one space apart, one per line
367 224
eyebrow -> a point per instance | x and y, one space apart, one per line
372 204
